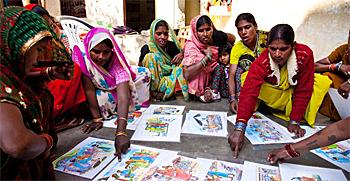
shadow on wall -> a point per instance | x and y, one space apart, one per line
325 28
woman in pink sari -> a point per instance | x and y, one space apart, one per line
201 56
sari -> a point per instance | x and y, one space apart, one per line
164 74
193 54
105 80
20 29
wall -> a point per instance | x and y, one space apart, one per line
106 11
169 10
321 24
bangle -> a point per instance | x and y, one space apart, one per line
121 118
121 133
291 151
97 120
208 56
203 62
348 81
293 122
240 126
338 66
232 98
49 141
48 70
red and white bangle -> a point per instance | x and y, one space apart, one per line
48 140
291 151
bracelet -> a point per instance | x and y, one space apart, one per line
293 122
203 62
121 133
232 98
338 66
121 118
48 70
208 56
240 126
49 141
332 67
291 151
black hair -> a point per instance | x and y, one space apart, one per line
225 48
108 42
281 32
203 20
246 16
161 23
40 11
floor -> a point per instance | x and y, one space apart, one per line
195 145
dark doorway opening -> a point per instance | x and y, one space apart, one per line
139 14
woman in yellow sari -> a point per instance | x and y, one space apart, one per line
166 69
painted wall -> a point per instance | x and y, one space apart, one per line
321 24
106 11
170 11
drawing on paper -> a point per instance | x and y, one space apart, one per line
180 169
336 152
266 174
158 126
264 130
220 171
139 160
307 178
257 116
208 123
86 158
166 110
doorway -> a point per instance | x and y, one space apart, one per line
139 14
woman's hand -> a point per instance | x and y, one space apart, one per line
278 156
178 58
234 106
345 69
88 128
62 72
209 53
344 89
236 140
121 144
296 129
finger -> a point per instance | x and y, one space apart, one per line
125 148
235 153
99 126
84 129
118 154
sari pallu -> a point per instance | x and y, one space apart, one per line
164 74
193 54
105 81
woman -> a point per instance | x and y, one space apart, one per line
108 83
25 102
164 62
243 53
337 67
201 56
69 95
283 77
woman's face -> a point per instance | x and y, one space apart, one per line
38 51
101 54
205 33
53 25
247 32
161 36
280 51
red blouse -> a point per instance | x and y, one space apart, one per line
260 71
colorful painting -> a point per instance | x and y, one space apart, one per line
294 172
133 120
215 170
158 128
338 154
165 109
260 172
178 168
262 130
206 123
134 163
87 158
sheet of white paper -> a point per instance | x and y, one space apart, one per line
220 170
262 130
338 154
135 162
153 127
176 168
232 119
133 120
308 132
301 172
342 105
86 159
165 109
260 172
209 123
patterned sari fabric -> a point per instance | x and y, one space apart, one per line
164 74
20 30
106 80
193 54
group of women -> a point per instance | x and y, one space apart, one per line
272 68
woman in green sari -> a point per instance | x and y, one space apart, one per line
163 59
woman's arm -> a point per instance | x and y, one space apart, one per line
232 87
322 65
90 93
331 134
123 93
193 70
15 139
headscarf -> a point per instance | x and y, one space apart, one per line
20 29
194 48
36 8
101 78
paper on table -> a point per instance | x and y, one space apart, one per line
133 120
342 105
220 170
165 109
260 172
